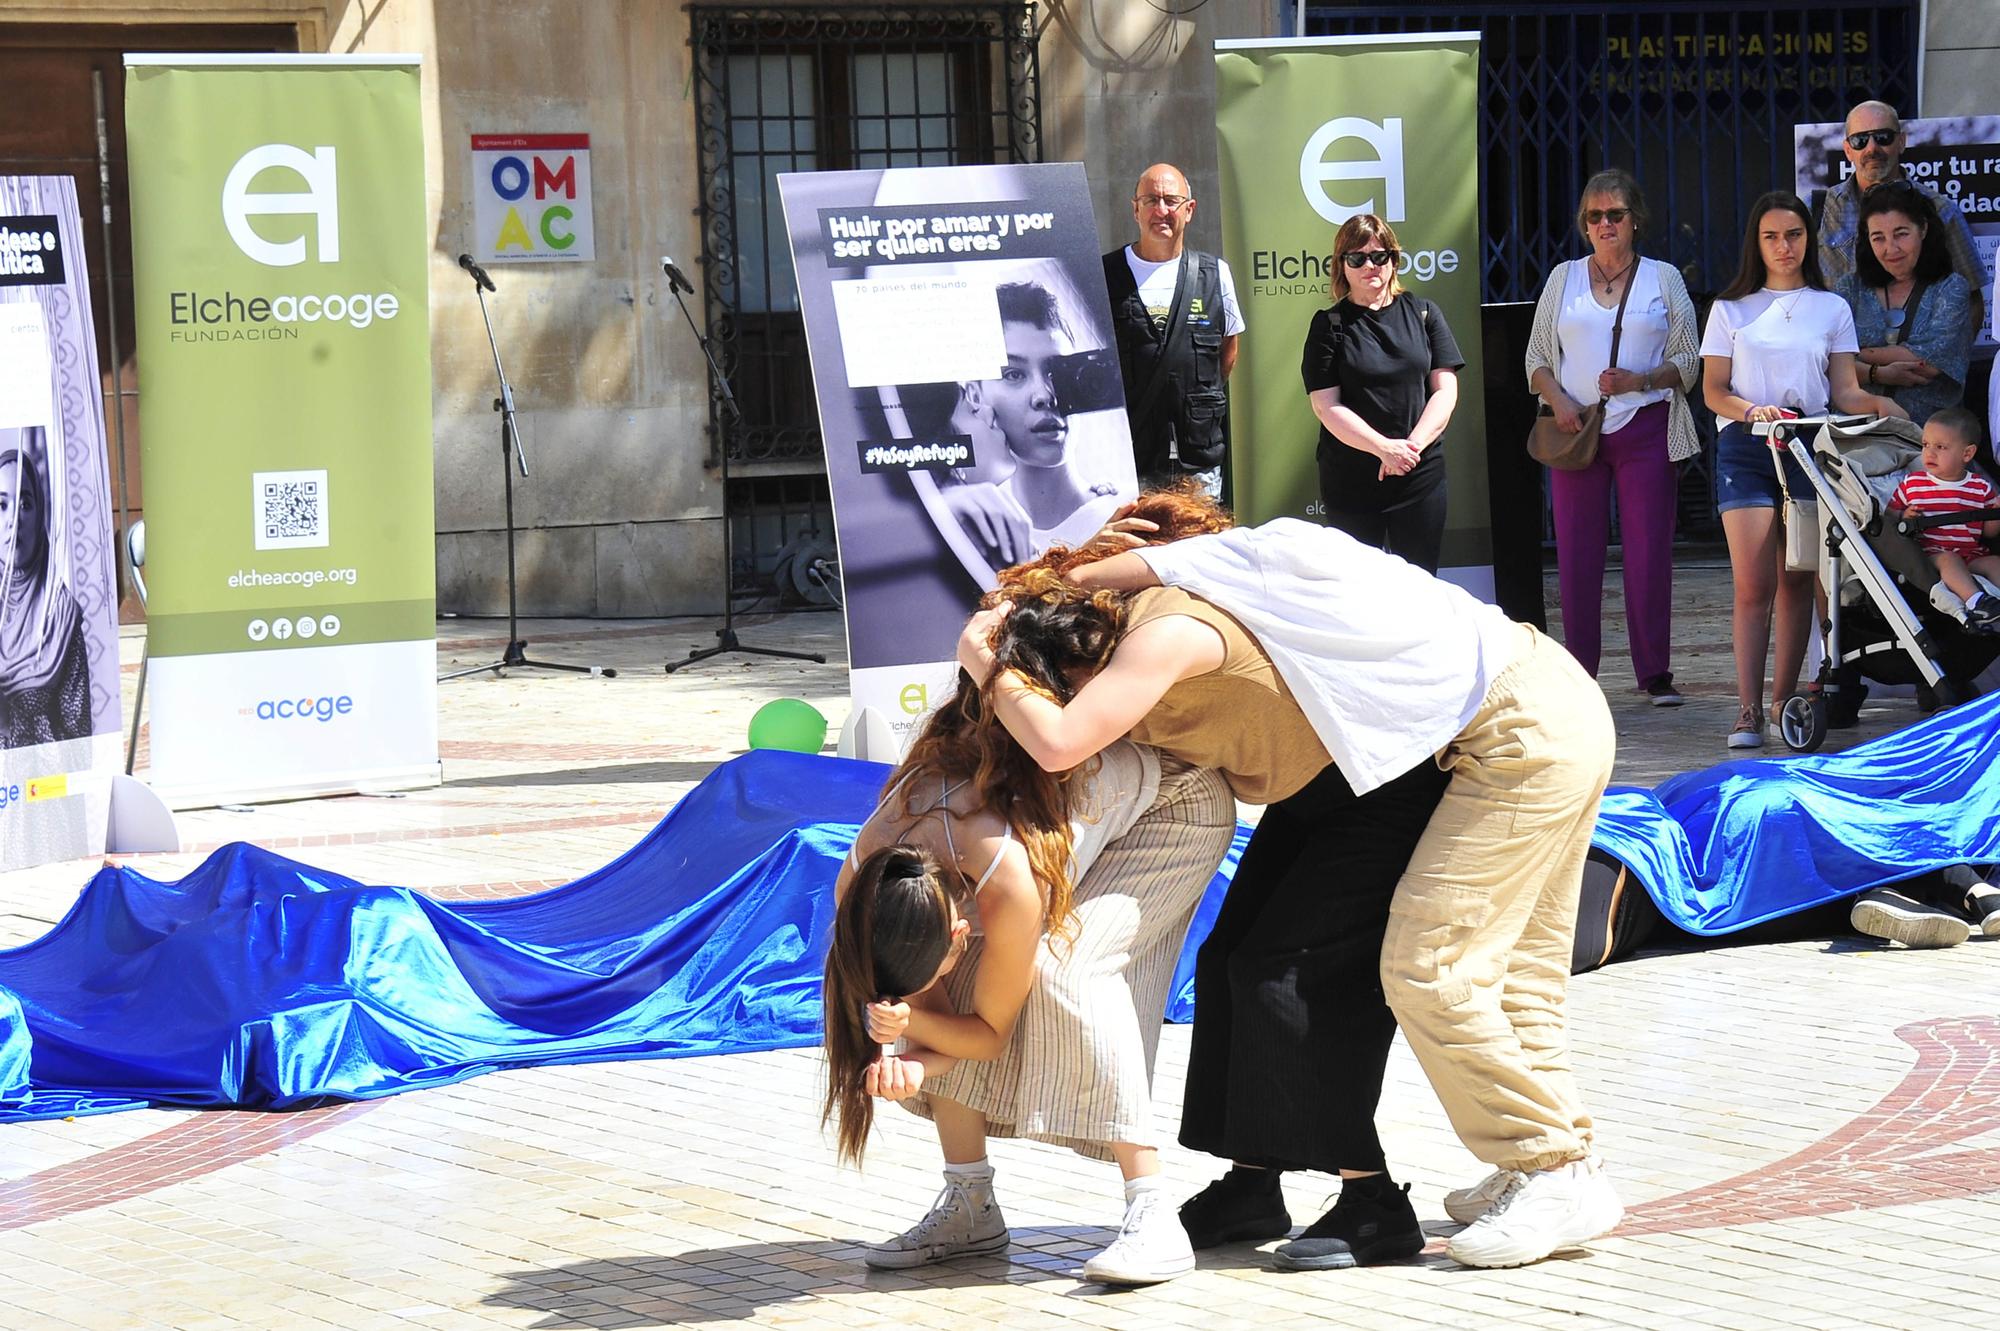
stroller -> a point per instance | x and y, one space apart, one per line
1889 617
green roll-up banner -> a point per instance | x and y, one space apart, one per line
1313 131
281 248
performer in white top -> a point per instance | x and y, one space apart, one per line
1397 672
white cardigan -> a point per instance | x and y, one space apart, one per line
1683 348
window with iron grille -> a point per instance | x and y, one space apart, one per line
827 88
824 88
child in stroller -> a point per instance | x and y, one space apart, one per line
1894 616
1890 617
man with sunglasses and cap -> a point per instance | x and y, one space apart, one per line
1873 140
1177 322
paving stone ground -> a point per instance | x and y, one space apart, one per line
1807 1134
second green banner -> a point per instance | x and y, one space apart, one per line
1314 131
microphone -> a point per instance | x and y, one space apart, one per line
675 277
478 273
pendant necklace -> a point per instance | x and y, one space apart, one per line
1612 280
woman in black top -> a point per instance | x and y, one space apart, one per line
1381 371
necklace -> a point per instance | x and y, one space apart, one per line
1786 310
1612 280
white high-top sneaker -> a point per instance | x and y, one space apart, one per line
1466 1205
1151 1246
1540 1213
964 1221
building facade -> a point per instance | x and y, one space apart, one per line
692 108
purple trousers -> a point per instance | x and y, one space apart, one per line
1634 460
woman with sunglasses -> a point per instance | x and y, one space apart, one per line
1778 344
1647 425
1381 371
1913 315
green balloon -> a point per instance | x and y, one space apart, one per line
788 723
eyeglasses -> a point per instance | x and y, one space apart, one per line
1882 138
1171 202
1366 258
1611 215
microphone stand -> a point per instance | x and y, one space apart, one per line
511 455
726 639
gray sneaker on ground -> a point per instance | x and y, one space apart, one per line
965 1221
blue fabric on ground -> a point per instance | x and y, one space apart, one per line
260 982
1748 841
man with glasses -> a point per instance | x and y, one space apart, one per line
1175 313
1874 144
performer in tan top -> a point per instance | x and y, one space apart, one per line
1291 1035
1468 757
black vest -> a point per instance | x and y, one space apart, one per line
1181 423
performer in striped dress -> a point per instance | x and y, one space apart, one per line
1961 551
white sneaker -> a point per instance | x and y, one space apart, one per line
964 1221
1466 1205
1151 1246
1540 1213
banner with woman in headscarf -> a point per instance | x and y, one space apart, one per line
59 720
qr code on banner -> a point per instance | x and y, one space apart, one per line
289 509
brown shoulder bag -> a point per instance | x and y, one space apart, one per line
1553 446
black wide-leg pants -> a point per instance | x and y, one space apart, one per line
1291 1033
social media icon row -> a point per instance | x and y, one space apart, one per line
305 626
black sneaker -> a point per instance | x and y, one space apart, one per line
1371 1221
1243 1206
1983 615
1660 688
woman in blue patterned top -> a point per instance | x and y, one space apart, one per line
1913 314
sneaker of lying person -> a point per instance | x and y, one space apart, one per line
1151 1246
1660 689
1982 905
1885 913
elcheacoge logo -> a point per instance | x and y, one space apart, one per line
1386 166
321 201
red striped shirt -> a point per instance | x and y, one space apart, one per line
1926 495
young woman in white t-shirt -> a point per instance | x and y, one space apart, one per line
1778 343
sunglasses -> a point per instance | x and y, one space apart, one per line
1882 138
1368 258
1611 215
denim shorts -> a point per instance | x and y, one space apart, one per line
1744 476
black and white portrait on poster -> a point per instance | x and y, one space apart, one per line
59 722
969 395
